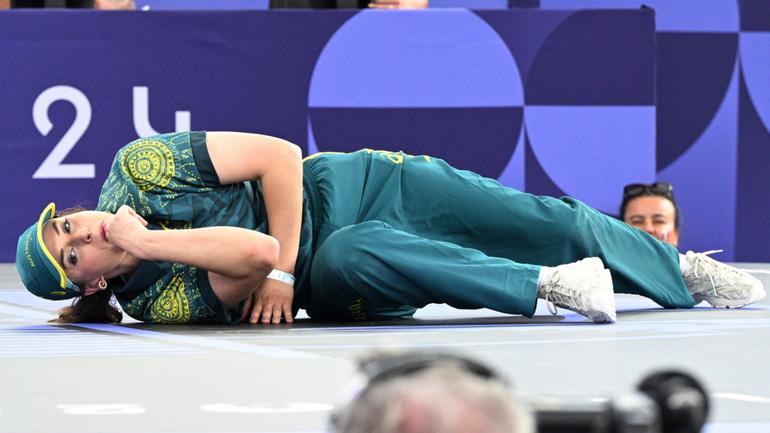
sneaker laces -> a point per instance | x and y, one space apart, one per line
549 303
699 264
552 297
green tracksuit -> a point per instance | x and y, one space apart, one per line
383 233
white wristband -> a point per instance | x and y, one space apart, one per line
285 277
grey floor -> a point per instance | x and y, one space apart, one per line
205 379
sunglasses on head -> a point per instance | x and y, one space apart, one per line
658 188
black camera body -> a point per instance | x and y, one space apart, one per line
663 402
627 413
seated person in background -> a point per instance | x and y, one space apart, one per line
398 4
425 392
115 5
652 208
76 4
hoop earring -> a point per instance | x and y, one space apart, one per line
102 283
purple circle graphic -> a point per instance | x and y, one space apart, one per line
436 82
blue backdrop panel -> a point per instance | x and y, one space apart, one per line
476 88
589 111
712 122
419 88
754 142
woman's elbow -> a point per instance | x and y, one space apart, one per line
294 151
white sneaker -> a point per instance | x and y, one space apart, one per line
584 287
720 285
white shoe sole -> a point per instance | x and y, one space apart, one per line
757 293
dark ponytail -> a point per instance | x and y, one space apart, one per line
98 307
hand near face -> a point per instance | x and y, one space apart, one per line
125 228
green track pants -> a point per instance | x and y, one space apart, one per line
392 233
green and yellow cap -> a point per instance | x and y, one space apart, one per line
39 271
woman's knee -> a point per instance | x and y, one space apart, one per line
340 256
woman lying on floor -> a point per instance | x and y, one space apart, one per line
181 235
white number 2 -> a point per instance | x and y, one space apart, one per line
52 167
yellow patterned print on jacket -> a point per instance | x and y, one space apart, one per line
170 181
